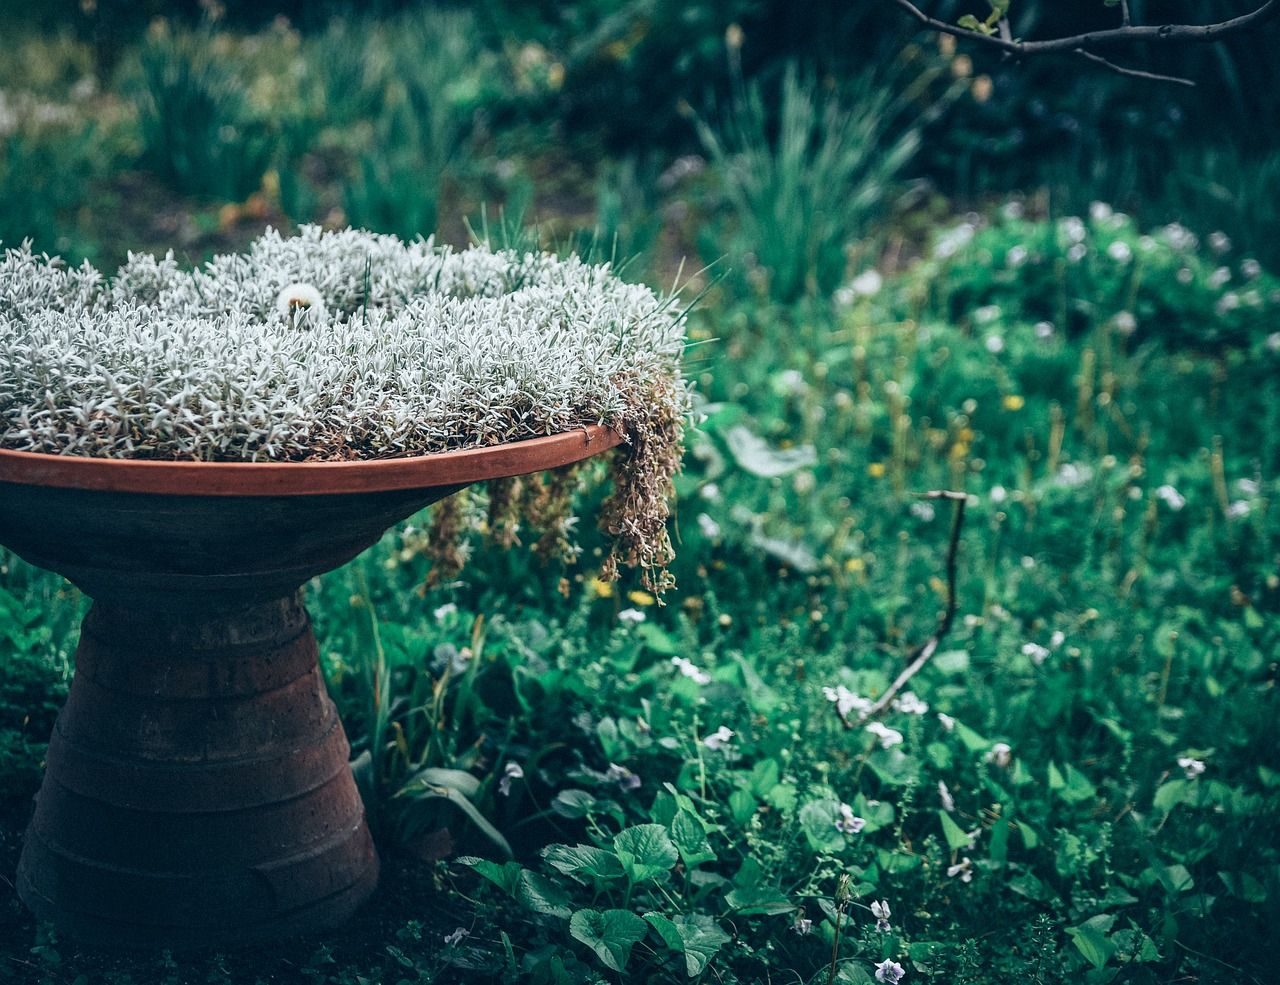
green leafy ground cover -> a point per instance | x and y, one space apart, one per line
1092 792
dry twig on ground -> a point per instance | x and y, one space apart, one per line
923 653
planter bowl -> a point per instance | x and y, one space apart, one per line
197 789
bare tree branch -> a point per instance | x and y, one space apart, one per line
1124 13
1117 36
922 654
1135 73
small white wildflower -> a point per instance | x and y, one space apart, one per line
1074 229
909 703
689 670
299 301
1191 768
1036 652
1000 754
1125 323
1099 211
718 739
923 511
1057 639
888 737
1120 252
1179 237
1273 341
889 972
846 701
631 616
512 771
944 797
1227 303
880 910
948 723
623 777
443 612
1028 562
987 313
456 936
1171 497
710 529
1016 256
1013 209
710 492
1248 487
1044 329
1185 276
1072 475
999 494
1219 242
848 822
1219 277
994 344
963 869
1237 509
844 297
1250 268
950 242
867 283
1077 252
803 926
792 380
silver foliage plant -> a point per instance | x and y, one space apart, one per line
331 346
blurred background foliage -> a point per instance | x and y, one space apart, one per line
345 105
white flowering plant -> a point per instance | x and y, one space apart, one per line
1167 284
335 346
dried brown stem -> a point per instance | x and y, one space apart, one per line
1126 34
1133 73
923 653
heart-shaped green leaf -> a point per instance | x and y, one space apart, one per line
610 934
646 851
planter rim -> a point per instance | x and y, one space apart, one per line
182 478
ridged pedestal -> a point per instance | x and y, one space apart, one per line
198 790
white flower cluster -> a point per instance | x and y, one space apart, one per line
405 349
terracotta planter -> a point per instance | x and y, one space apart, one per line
197 788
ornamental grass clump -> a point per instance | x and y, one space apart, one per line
339 346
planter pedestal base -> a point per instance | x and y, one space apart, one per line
198 790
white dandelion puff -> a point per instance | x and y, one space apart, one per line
298 302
